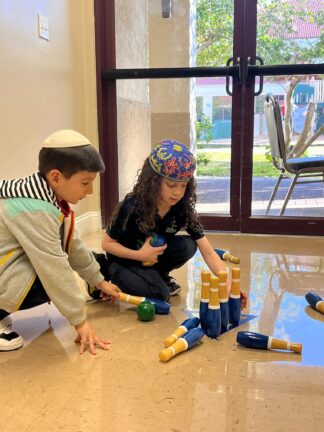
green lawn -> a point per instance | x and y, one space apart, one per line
218 164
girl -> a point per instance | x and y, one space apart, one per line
161 203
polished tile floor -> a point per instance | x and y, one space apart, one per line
216 386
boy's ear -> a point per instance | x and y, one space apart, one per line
54 176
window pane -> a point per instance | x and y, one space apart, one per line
306 113
181 109
194 111
290 32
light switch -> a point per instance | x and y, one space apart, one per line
43 30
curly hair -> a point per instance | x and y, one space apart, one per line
145 195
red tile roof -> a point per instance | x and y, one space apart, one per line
304 29
210 81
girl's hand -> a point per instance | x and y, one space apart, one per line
244 299
150 253
87 338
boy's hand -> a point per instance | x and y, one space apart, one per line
87 337
109 290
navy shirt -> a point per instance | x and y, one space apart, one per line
131 237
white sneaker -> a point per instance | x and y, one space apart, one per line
9 340
7 322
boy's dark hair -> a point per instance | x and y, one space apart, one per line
145 193
70 160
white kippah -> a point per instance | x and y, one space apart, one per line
65 138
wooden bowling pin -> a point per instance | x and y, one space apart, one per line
204 298
315 301
261 341
223 300
187 341
227 256
213 320
234 301
187 325
161 307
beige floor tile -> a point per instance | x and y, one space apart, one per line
216 386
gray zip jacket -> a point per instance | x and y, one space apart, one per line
31 243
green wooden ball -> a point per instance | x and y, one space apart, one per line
145 311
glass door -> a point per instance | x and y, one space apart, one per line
184 70
289 41
165 76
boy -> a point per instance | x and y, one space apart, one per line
39 248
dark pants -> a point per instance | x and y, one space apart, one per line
150 281
35 297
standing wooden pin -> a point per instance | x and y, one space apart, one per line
213 320
204 298
223 300
234 301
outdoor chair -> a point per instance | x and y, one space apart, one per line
301 170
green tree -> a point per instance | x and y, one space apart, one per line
275 44
204 129
276 27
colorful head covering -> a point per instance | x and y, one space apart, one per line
172 160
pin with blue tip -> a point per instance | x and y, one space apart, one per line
187 341
227 256
187 325
204 298
223 300
161 307
315 301
213 320
234 301
264 342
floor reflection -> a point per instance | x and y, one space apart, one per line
278 284
216 386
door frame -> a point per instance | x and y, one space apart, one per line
243 73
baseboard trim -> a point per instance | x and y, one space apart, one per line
88 223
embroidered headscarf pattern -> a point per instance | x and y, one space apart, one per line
172 160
